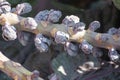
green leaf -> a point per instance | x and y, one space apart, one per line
66 67
14 2
116 3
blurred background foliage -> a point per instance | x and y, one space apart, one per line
105 11
116 3
15 2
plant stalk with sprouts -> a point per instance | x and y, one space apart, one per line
44 25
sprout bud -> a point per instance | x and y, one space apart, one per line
61 37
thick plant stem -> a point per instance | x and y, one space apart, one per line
49 29
14 69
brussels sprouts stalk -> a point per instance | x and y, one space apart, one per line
15 70
49 29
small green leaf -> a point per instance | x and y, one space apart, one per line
14 2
